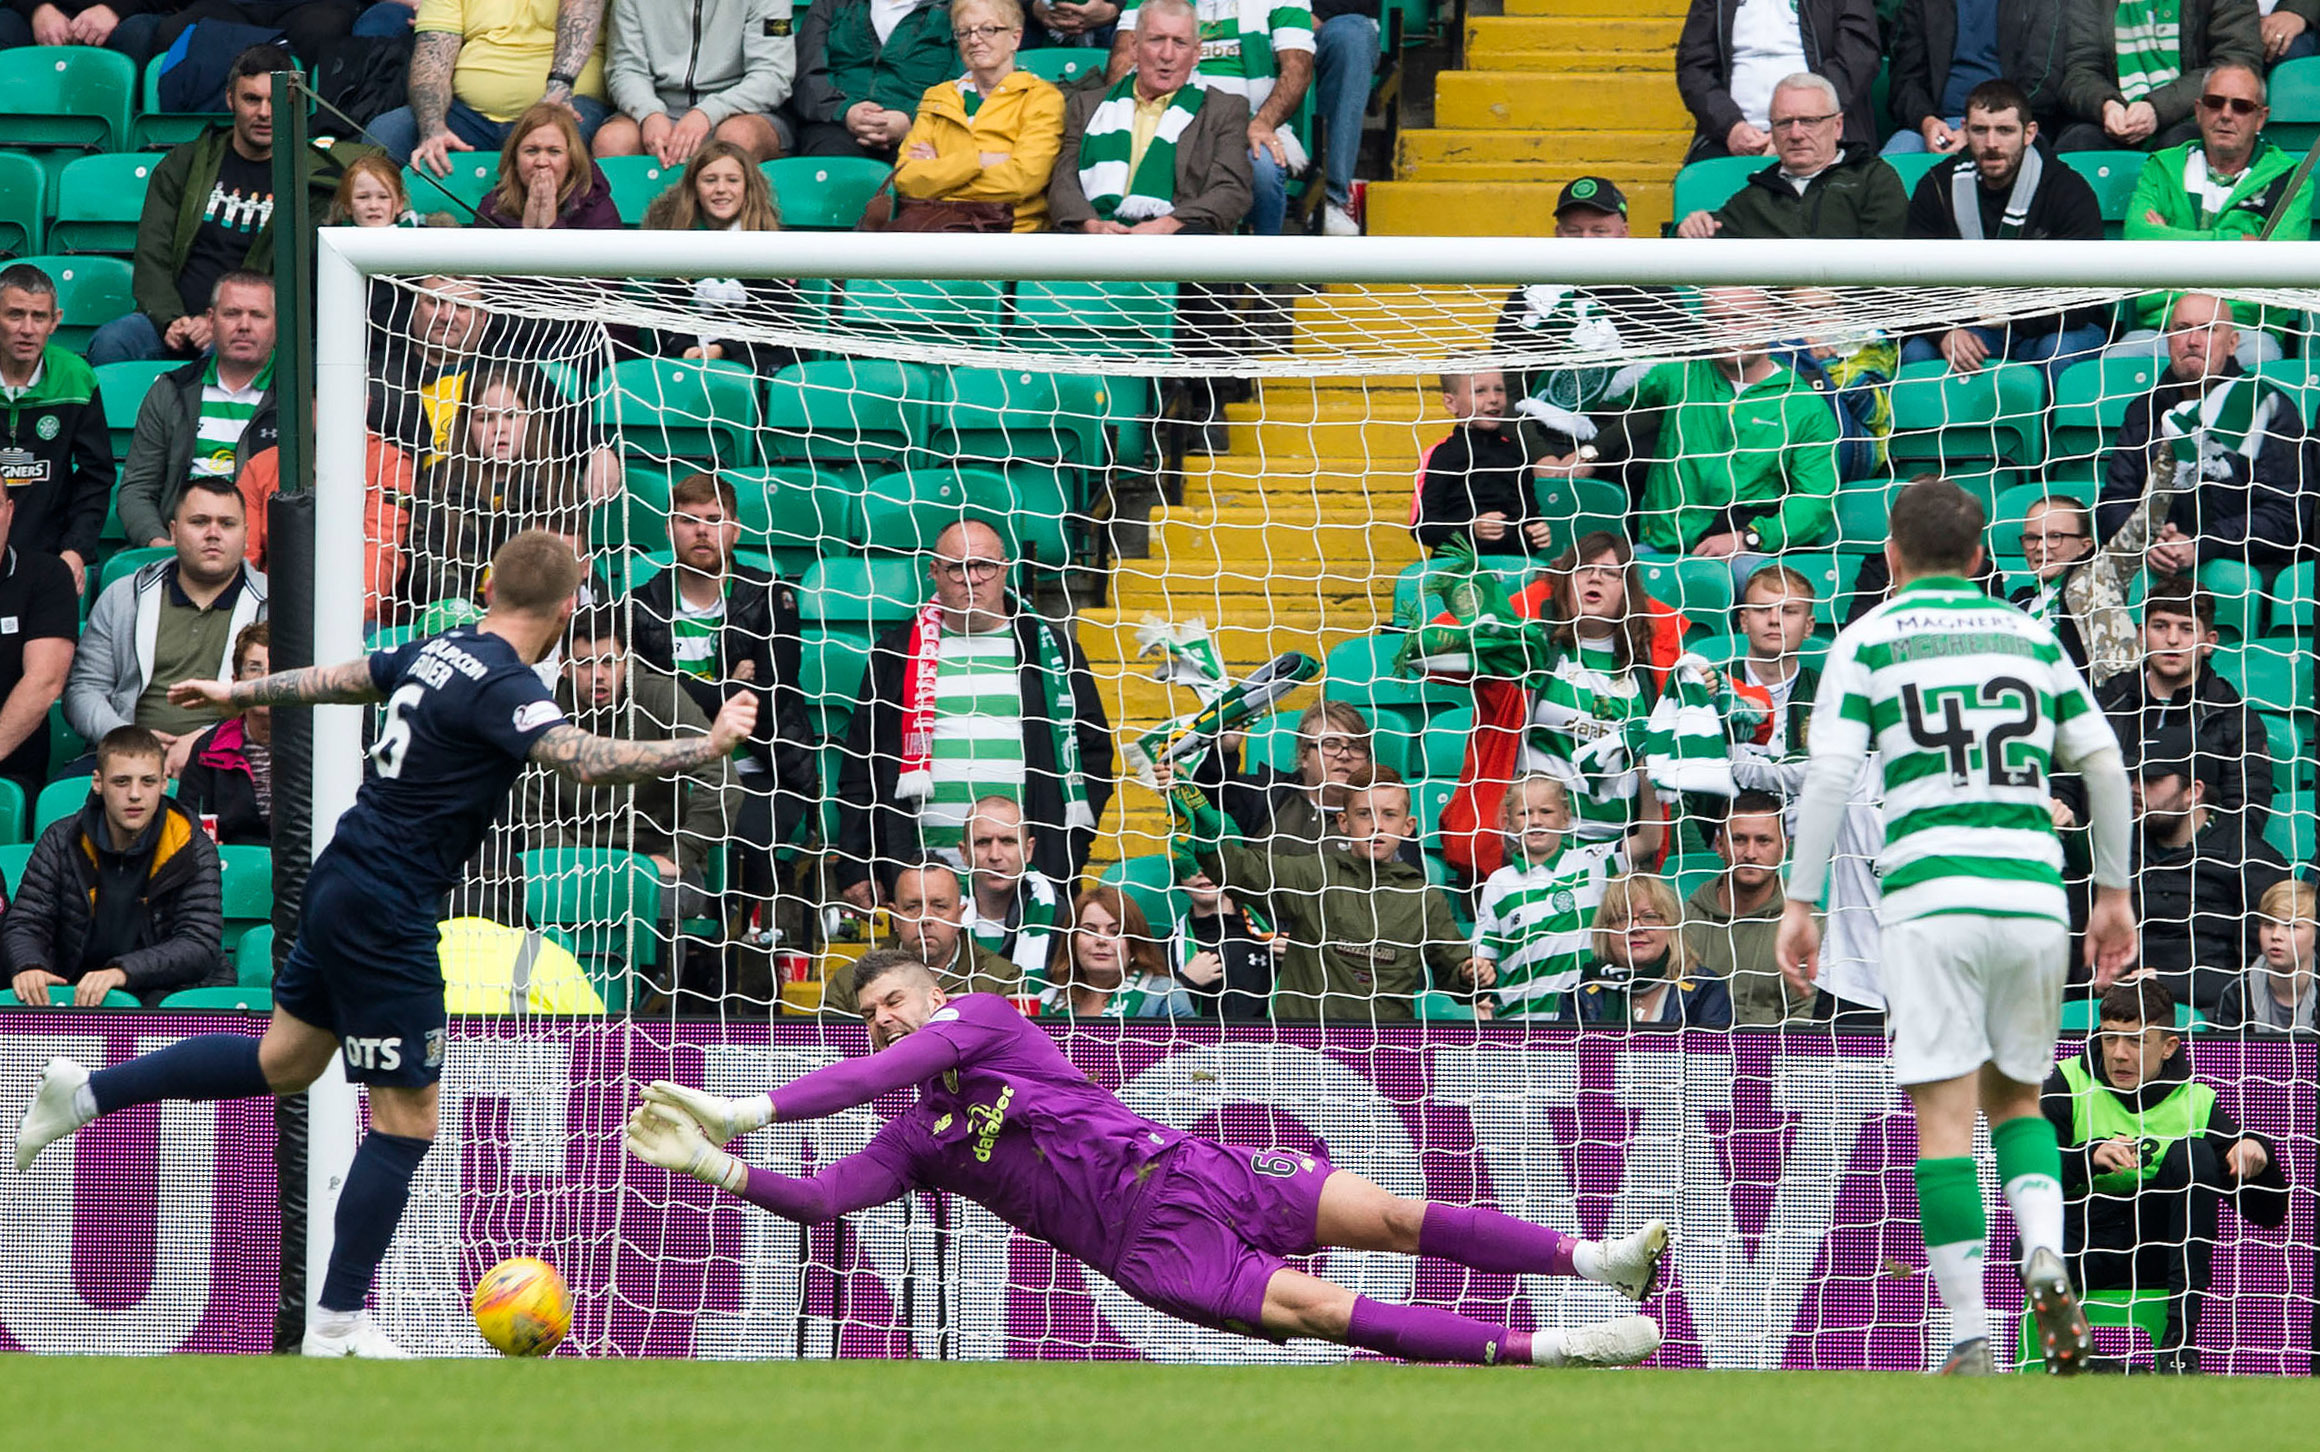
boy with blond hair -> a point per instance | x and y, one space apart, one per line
1532 917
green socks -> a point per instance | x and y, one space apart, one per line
2030 1170
1949 1210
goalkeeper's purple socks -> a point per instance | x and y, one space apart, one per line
1486 1240
378 1184
206 1066
1422 1333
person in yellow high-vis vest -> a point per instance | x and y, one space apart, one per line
2149 1154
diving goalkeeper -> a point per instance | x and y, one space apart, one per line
1188 1226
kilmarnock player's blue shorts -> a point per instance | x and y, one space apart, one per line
365 968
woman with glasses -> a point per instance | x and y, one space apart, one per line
992 134
1645 975
2078 590
1270 805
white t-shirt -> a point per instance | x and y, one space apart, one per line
1767 45
886 14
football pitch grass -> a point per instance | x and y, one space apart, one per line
252 1404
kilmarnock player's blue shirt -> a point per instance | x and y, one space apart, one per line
462 712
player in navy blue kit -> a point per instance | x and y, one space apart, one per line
464 712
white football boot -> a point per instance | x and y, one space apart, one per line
357 1336
52 1114
1621 1341
1630 1264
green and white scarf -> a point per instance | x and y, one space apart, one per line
2234 417
2150 45
1111 138
1685 745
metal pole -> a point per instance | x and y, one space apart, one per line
293 286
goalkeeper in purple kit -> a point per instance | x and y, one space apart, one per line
1188 1226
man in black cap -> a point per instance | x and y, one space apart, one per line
1591 206
2200 872
2001 185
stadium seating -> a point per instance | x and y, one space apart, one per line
98 201
13 856
1574 508
23 204
246 880
58 800
90 292
1689 870
1065 66
603 906
823 193
1106 317
636 181
2144 1311
862 591
473 175
865 412
1705 185
64 100
129 562
2238 594
254 958
12 811
233 997
60 995
154 129
2112 175
1361 671
1700 588
2090 402
123 387
2294 90
670 408
931 312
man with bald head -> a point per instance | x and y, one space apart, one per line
974 696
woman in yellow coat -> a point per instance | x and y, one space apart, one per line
992 134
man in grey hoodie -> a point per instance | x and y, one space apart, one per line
682 74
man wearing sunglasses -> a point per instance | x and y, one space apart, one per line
2134 70
2225 185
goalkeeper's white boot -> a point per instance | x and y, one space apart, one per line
1621 1341
1630 1264
356 1336
54 1113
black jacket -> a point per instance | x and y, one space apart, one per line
2197 906
2063 208
1472 472
876 833
2031 41
2223 730
180 909
216 781
1840 42
1857 196
2261 515
761 627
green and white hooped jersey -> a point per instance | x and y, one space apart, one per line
1237 56
1970 703
978 733
1536 923
1580 715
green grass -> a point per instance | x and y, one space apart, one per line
253 1404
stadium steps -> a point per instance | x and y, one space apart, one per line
1550 90
1293 539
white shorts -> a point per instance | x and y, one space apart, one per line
1963 990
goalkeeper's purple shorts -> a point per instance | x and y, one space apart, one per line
1213 1226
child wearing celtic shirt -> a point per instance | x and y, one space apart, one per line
1533 916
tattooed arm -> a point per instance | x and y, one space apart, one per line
433 55
601 761
349 683
576 26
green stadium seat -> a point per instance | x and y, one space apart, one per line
154 129
2294 92
233 997
2294 768
2294 826
604 906
1150 883
64 744
636 181
823 193
1575 508
1706 185
13 856
1096 317
123 387
2112 174
1428 801
65 98
797 510
903 512
1912 166
98 202
832 663
60 995
246 879
936 311
129 562
1435 1006
90 292
864 590
1686 871
1002 415
23 203
869 413
12 812
1963 422
1361 671
2144 1311
1861 509
1832 576
1700 588
2090 402
2293 598
1442 749
2275 675
673 408
2238 592
1061 65
472 176
254 958
58 800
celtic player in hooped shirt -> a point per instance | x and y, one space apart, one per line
1968 703
1188 1226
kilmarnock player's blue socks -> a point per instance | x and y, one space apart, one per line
206 1066
377 1184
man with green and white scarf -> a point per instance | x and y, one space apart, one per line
1161 150
1263 52
973 696
2133 69
2232 446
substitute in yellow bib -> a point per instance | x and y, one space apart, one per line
490 968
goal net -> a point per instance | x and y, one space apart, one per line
1198 462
